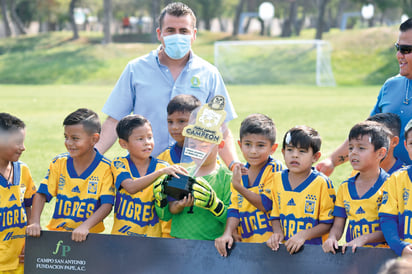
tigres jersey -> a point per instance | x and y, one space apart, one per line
135 214
77 196
171 155
397 202
14 198
254 224
304 207
361 212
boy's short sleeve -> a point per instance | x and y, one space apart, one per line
233 210
49 184
389 198
275 213
120 172
266 193
339 210
107 192
30 186
327 203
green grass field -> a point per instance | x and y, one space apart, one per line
331 111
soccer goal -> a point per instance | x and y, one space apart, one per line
301 62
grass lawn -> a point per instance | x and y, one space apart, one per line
331 111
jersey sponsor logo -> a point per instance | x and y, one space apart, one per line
135 210
405 196
14 216
73 208
360 211
291 202
256 222
310 204
195 82
12 198
384 197
119 164
76 189
62 182
92 186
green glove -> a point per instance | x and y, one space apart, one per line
158 191
205 197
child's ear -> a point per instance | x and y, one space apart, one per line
382 152
95 137
394 141
274 147
123 143
316 156
239 143
222 144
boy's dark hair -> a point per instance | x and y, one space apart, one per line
9 122
406 25
408 128
128 123
258 124
391 120
379 134
302 137
86 117
177 9
183 103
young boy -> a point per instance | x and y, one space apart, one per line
133 175
178 114
360 197
16 191
301 198
202 214
257 143
81 180
396 210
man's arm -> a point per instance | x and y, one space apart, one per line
228 152
108 135
338 157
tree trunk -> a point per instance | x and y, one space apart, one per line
236 21
155 15
16 19
339 15
72 22
107 20
287 25
6 18
321 15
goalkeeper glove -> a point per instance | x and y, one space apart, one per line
205 197
158 191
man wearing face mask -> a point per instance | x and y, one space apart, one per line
148 83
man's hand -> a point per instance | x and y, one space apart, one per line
205 197
326 166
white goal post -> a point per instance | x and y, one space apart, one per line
301 62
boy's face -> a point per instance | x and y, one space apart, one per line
362 154
256 149
299 160
78 141
175 124
205 147
408 143
140 144
12 145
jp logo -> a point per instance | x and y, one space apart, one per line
65 248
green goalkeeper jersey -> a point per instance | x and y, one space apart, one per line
202 224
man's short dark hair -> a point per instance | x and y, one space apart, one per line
177 9
128 123
86 117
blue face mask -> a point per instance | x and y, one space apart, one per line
177 45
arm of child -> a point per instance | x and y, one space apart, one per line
373 237
277 237
226 238
33 228
253 198
297 241
389 227
81 232
331 244
139 184
175 207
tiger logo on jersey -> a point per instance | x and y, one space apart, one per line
405 195
119 164
92 187
310 204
